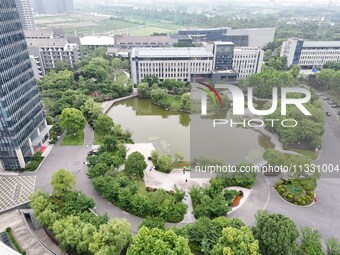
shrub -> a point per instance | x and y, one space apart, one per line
14 241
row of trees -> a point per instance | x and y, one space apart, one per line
168 94
66 213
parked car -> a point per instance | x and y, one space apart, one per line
92 153
328 114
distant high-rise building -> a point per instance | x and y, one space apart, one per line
53 6
25 14
22 124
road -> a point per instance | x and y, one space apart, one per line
322 216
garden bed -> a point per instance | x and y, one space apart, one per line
294 192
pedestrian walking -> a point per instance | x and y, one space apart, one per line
315 198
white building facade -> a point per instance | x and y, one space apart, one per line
170 63
309 54
247 61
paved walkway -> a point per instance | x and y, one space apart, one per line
108 104
14 190
22 233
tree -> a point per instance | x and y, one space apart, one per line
276 234
62 181
333 246
116 64
135 164
91 111
236 242
324 78
335 82
143 90
164 163
112 238
310 242
158 95
125 64
185 102
178 157
153 222
103 125
157 241
72 120
94 71
61 65
151 80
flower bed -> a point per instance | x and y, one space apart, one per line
294 192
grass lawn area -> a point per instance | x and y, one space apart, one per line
307 153
122 78
142 187
180 164
84 23
98 139
73 140
149 30
174 101
295 189
265 142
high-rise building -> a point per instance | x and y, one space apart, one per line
25 14
53 6
22 124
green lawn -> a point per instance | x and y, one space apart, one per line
84 23
265 142
98 139
307 153
174 101
73 140
149 30
295 189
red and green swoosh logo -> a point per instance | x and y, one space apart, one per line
211 91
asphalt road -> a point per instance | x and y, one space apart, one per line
323 215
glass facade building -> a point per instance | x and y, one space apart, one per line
22 124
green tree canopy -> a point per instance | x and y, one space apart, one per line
157 241
72 119
276 234
236 242
135 164
62 182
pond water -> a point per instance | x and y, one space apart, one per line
170 131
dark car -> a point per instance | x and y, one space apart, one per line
92 153
328 114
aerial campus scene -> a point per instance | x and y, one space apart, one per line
169 127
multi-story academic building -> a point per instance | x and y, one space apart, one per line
181 64
247 61
22 124
46 47
222 62
310 54
254 37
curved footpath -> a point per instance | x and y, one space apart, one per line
321 216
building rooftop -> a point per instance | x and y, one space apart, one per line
205 29
224 43
171 52
97 40
317 44
246 48
38 33
143 39
179 37
60 42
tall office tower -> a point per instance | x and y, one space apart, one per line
25 14
22 124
